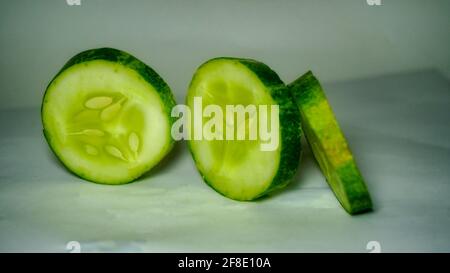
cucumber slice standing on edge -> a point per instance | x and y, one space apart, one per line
106 116
329 145
240 169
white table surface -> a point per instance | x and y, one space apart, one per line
398 128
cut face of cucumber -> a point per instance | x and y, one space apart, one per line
106 116
329 145
240 169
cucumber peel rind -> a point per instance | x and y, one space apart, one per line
146 74
289 124
126 59
329 145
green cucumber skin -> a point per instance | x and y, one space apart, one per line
121 57
126 59
290 125
356 189
355 186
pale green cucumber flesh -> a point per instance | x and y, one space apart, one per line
239 169
329 145
105 119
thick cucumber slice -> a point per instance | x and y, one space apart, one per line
241 169
329 145
106 116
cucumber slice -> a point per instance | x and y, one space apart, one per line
106 116
329 145
240 169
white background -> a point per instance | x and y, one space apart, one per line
338 40
384 71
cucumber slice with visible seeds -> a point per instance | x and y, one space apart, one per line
329 145
240 169
106 116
